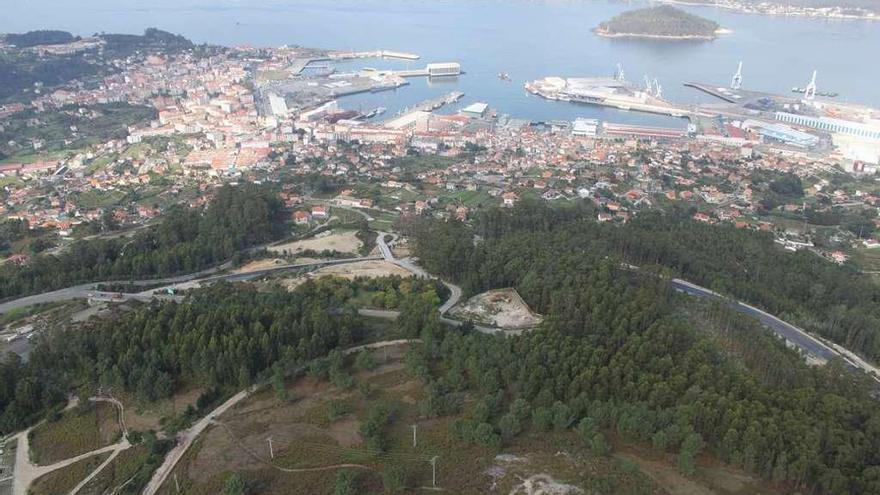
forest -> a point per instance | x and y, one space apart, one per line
39 37
21 68
224 337
621 355
834 301
187 240
660 21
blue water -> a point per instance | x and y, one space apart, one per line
527 39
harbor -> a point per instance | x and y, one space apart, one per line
613 92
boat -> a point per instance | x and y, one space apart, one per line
504 76
374 112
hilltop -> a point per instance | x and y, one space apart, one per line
659 22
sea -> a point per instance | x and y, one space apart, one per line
527 39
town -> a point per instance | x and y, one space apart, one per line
300 270
225 118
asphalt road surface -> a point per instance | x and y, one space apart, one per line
793 334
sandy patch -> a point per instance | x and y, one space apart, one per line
543 484
349 271
344 242
373 268
259 265
502 308
143 417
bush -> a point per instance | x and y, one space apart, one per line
394 478
346 482
598 445
542 419
336 409
365 361
234 485
509 425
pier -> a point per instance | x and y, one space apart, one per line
410 116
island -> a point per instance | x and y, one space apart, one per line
662 22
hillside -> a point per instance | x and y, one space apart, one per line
659 22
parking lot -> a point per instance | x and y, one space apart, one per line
7 464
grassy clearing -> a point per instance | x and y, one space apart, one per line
867 259
118 472
320 426
64 479
16 314
8 180
94 198
79 430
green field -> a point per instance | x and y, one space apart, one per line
64 479
79 430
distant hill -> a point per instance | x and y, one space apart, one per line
21 68
37 38
659 22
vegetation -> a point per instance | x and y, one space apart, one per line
69 127
85 428
21 69
187 240
663 21
615 351
224 336
40 37
835 301
124 473
66 478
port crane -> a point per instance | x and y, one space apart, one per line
653 88
619 75
737 81
810 90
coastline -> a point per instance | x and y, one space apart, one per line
810 13
695 37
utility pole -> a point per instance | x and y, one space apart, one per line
434 471
271 451
176 484
414 427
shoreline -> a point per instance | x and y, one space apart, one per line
809 13
685 37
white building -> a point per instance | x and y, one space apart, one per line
585 127
444 69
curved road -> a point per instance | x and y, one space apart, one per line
797 336
87 291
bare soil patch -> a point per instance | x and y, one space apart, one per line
344 242
502 308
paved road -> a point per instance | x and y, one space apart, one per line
454 292
87 291
791 333
406 263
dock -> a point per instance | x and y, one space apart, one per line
410 116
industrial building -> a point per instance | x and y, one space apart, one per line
836 126
585 127
444 69
475 109
637 131
782 133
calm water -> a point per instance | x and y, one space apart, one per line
527 39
